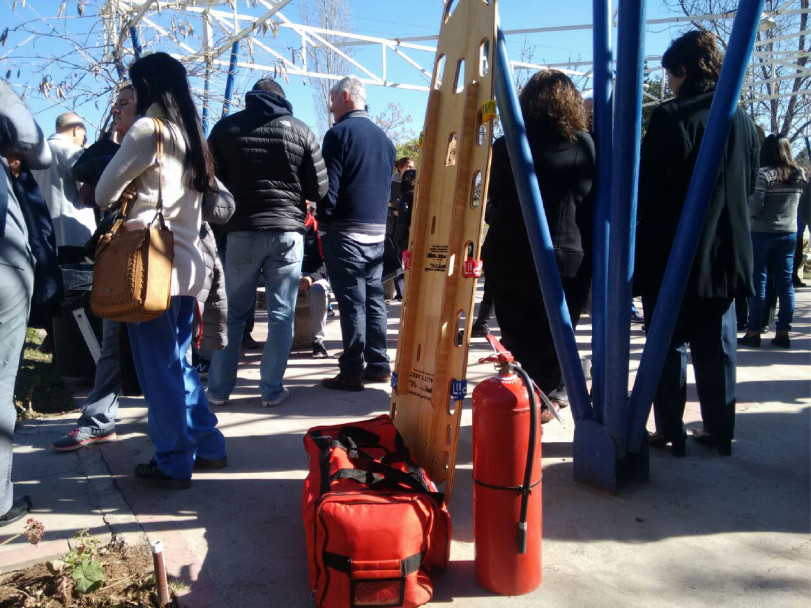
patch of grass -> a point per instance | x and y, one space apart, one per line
39 388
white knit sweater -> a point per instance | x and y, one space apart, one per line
135 161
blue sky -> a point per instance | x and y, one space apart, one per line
370 17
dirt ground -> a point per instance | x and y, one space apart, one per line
128 583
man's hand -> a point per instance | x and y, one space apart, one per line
304 284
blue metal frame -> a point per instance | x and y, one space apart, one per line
603 119
723 108
625 178
529 194
136 43
229 83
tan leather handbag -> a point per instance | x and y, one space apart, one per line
132 277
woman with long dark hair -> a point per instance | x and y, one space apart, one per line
773 213
564 159
181 425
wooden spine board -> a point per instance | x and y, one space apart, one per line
431 429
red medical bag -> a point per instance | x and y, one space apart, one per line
374 522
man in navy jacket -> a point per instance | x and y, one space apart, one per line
352 218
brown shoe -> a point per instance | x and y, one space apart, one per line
375 379
343 383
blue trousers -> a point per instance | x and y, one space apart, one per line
355 271
772 252
181 425
277 256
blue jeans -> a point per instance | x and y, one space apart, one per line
277 255
773 252
355 271
181 425
101 406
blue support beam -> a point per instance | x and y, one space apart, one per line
529 194
603 120
136 42
696 203
625 174
229 83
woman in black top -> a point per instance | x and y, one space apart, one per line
564 160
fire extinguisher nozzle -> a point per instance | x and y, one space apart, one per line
522 537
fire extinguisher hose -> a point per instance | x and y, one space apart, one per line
526 488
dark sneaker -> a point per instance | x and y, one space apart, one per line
210 463
751 340
370 378
343 383
82 436
480 330
18 509
782 340
637 318
150 475
319 350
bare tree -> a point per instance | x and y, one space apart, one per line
778 78
330 15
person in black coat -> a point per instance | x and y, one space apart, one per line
564 159
722 267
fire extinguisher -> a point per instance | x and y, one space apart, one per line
507 505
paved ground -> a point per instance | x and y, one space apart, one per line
706 530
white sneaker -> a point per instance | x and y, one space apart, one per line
215 401
277 400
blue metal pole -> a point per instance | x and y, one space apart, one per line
723 109
136 43
529 193
625 174
229 82
603 119
205 101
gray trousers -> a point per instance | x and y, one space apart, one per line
318 296
101 406
16 287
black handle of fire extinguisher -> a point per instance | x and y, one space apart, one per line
527 487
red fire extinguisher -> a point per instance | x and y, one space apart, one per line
507 506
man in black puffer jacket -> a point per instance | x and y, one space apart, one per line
272 164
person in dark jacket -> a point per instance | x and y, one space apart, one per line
271 162
352 216
722 267
564 159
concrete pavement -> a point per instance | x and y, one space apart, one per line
706 530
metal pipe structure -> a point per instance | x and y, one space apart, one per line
603 119
529 194
136 42
711 152
204 118
625 177
229 82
